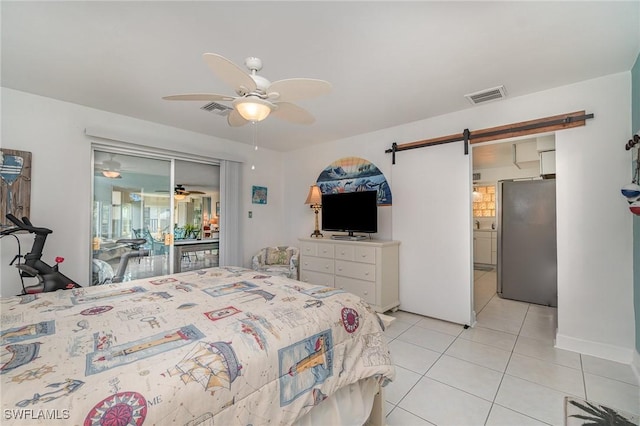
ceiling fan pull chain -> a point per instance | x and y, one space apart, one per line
254 128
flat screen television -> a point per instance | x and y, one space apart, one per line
350 212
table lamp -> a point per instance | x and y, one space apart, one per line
314 198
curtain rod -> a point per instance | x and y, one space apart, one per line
557 122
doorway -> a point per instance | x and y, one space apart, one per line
518 159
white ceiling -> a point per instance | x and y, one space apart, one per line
389 62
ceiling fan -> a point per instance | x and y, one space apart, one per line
109 168
258 97
181 190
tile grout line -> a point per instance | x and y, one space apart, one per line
584 380
423 375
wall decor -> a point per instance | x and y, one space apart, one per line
259 195
631 191
350 174
15 187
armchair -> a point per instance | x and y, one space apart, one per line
156 246
281 261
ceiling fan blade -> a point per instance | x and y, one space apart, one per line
230 73
198 97
197 192
294 89
292 113
235 119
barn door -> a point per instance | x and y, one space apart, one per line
432 220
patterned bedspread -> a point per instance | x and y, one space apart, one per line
222 346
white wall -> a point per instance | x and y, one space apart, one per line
61 177
595 311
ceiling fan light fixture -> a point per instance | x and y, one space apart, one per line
252 108
179 196
111 174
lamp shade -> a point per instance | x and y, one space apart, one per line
314 196
111 174
252 108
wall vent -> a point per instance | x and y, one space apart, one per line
487 95
217 108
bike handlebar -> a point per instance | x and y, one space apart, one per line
25 224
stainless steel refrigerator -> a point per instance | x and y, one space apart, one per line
527 254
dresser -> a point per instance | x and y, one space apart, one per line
368 268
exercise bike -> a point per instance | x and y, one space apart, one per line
103 272
49 277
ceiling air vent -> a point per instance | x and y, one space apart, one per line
486 95
217 108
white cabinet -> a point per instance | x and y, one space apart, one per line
368 269
525 154
485 247
548 163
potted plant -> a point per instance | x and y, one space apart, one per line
189 231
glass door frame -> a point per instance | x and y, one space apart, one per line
147 152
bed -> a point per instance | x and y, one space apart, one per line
223 346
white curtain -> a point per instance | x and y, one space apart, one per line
229 221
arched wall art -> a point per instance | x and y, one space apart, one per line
350 174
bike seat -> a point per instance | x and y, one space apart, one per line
132 241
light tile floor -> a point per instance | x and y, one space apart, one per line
504 371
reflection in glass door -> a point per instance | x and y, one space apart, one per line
131 200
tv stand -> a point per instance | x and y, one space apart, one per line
349 237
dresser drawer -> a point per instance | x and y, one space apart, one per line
309 249
326 250
317 278
365 254
343 252
366 290
317 264
360 271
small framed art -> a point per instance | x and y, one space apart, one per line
259 195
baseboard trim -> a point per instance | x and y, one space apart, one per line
597 349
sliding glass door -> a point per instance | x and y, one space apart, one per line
196 195
132 198
172 206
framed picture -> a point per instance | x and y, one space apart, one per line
15 184
218 208
259 195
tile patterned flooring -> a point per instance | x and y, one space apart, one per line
504 371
